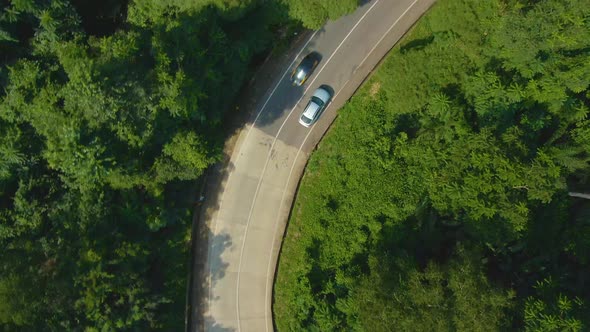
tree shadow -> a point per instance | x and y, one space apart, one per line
207 265
101 18
219 243
213 326
416 44
282 96
208 270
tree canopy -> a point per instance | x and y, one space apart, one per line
439 199
109 112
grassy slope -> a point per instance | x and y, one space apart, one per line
340 175
444 135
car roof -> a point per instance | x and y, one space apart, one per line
306 64
322 94
311 109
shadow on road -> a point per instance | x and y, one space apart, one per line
249 102
207 258
286 95
213 326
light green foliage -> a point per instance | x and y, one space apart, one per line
147 12
453 297
538 317
314 13
182 159
109 111
10 156
553 312
468 136
14 309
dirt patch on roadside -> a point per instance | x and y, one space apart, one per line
375 87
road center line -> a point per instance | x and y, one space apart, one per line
266 164
267 288
209 279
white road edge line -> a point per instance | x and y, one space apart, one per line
282 77
267 288
239 154
266 164
387 32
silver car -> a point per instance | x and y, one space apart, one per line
320 99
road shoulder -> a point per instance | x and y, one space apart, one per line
213 180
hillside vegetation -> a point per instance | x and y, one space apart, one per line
109 112
439 199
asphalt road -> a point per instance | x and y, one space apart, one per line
246 216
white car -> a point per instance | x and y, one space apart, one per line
320 99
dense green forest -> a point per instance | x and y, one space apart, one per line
439 199
109 112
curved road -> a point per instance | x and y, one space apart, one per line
246 220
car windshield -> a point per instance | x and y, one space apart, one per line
306 64
305 119
318 101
